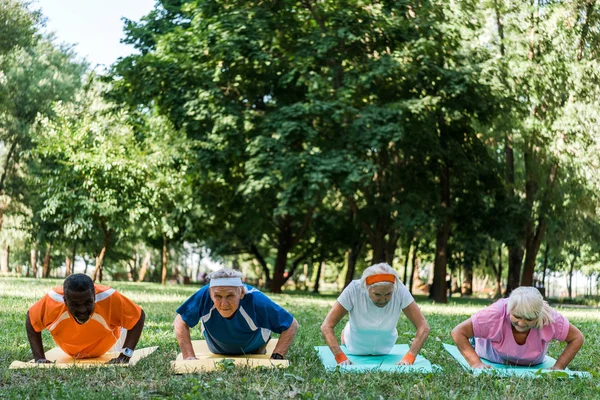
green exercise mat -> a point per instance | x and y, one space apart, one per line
513 370
387 362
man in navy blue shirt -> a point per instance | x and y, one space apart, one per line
237 318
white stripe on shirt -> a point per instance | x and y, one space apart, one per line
248 319
104 295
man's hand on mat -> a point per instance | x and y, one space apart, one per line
557 368
122 359
346 362
190 358
481 365
43 361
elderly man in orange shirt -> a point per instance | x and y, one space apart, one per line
85 320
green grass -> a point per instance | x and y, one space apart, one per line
305 379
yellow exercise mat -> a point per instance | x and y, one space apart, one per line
62 360
207 361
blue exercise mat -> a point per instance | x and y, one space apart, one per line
504 370
387 362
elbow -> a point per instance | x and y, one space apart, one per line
142 319
325 328
424 330
455 334
178 324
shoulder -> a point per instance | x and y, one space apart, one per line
102 288
498 309
354 287
253 295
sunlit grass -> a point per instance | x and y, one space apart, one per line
305 378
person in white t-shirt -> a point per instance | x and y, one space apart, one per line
374 303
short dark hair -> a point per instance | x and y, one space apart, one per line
78 283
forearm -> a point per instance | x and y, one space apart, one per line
286 338
35 340
330 339
420 339
133 335
465 348
182 333
568 353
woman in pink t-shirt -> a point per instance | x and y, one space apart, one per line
516 331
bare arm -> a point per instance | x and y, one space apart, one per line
35 341
415 316
334 316
574 342
133 336
286 338
461 335
182 332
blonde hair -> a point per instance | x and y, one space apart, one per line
527 302
381 268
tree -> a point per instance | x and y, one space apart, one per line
92 172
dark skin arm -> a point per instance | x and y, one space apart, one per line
35 341
133 336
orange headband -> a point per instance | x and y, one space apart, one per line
380 278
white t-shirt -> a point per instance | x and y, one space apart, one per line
371 330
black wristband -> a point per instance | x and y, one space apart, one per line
277 356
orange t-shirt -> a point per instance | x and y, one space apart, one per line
94 338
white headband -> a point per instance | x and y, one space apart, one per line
226 282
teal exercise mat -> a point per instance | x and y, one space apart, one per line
387 362
513 370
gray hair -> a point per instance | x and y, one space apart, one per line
228 273
381 268
527 302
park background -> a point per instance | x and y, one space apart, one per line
301 141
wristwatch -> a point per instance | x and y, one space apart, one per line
126 351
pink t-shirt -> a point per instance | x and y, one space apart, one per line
494 339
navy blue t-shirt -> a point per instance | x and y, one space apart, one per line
244 332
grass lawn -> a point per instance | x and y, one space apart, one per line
306 378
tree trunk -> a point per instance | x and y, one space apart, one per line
284 244
352 257
438 288
378 247
47 259
515 259
145 265
33 261
265 268
5 258
467 284
351 260
163 275
534 240
390 248
544 269
499 273
571 268
97 275
414 265
70 261
133 267
406 260
320 267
